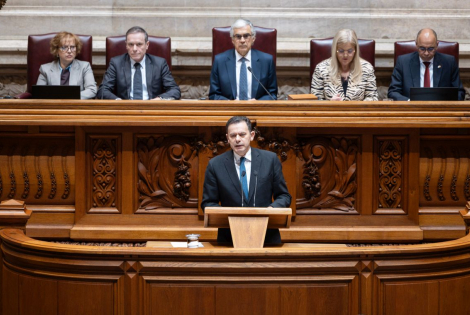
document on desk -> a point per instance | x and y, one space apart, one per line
179 244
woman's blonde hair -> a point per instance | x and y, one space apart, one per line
345 36
56 42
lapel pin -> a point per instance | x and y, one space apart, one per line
439 66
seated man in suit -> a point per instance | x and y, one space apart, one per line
424 68
230 79
137 75
245 177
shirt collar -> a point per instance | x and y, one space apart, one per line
431 61
247 156
142 63
247 57
68 67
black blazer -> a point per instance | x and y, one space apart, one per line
117 81
222 185
406 75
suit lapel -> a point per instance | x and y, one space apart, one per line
55 79
414 70
126 70
74 73
255 166
232 172
256 68
149 75
231 69
436 70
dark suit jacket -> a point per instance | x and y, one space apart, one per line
406 75
117 81
222 184
224 79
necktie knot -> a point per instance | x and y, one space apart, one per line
426 63
137 65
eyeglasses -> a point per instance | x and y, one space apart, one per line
342 51
424 49
65 48
245 36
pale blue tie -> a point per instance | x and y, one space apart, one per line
243 176
243 82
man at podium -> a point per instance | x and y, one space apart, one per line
245 177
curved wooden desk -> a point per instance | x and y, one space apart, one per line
49 278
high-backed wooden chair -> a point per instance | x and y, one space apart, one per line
320 49
39 53
266 40
159 46
409 46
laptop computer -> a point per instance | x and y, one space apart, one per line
434 94
53 92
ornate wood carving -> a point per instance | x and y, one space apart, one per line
329 168
453 185
440 183
104 172
278 145
217 145
36 169
390 173
427 180
164 169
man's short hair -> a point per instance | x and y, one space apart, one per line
242 23
137 29
421 30
236 120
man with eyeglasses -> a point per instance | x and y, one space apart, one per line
424 68
137 75
235 72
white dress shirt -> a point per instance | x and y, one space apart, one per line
422 68
145 93
238 64
236 159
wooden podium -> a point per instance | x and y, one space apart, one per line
247 225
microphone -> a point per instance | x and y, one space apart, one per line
241 185
254 76
256 185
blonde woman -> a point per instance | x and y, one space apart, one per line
345 76
66 70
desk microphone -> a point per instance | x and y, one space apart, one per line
241 185
256 185
254 76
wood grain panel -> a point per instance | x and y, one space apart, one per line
37 296
316 299
10 293
411 298
454 295
248 299
76 298
180 299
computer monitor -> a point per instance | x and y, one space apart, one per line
53 92
434 94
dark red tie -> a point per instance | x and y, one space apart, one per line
427 77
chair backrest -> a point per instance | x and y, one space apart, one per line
39 53
320 49
409 46
266 40
159 46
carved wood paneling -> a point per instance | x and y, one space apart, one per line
104 174
38 170
167 172
329 174
445 163
390 175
